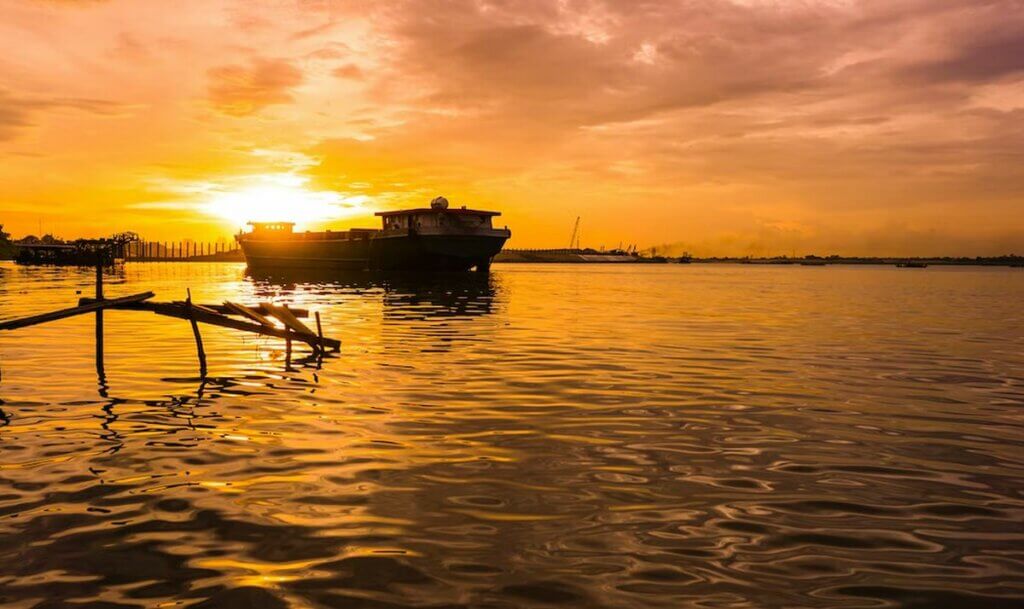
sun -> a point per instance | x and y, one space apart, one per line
279 197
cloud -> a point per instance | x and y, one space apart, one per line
243 89
17 113
348 70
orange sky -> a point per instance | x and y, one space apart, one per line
721 126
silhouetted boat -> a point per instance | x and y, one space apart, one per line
912 265
434 238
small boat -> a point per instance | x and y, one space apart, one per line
430 239
912 265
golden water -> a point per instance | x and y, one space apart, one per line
588 436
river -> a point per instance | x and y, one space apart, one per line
548 435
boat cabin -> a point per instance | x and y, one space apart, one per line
461 220
272 229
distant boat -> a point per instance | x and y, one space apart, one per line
430 239
912 265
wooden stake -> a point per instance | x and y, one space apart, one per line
99 277
101 373
90 306
195 332
245 311
320 333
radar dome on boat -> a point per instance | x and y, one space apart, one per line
439 203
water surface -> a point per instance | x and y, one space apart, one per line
573 436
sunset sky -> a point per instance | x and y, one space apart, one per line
720 126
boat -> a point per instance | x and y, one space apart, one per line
912 265
436 238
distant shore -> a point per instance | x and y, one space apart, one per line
621 257
589 256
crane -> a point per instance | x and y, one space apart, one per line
574 241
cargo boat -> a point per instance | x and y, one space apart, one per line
434 238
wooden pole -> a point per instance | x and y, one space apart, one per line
320 351
99 277
100 372
320 333
287 318
89 307
195 332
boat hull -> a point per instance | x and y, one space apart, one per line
379 252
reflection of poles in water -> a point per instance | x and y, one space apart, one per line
110 434
5 419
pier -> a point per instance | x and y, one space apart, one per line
183 251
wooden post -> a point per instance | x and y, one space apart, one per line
195 332
100 372
99 277
320 333
87 305
288 349
320 351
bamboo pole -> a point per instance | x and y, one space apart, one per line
281 312
89 307
245 311
320 332
195 332
100 368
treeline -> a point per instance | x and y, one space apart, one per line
7 249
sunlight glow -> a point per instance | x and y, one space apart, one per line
282 197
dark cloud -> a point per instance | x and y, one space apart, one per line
16 113
240 90
978 61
